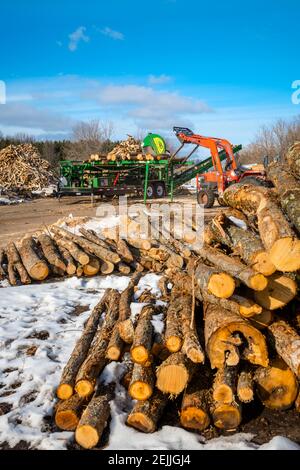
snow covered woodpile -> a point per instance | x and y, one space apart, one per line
22 168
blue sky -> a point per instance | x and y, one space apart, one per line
222 68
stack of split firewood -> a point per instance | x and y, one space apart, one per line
129 149
22 168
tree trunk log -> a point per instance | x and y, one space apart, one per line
226 416
93 422
123 268
276 385
191 344
275 232
80 256
107 267
196 402
288 189
92 268
142 382
115 345
287 344
125 325
16 264
214 281
143 336
243 242
173 331
67 382
96 359
174 374
235 268
36 267
245 390
145 415
50 252
68 260
247 308
224 387
280 290
293 159
68 413
2 272
225 331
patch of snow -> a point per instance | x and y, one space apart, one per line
238 222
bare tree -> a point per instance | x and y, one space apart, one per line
87 131
107 130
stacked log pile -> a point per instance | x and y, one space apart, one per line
129 149
22 168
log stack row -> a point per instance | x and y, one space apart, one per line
129 149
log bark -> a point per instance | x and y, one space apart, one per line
107 267
191 344
125 325
288 189
50 252
90 247
174 374
123 268
245 386
79 255
225 332
226 416
224 387
67 382
235 268
2 272
143 336
245 243
173 331
140 243
163 286
287 344
115 345
16 265
68 260
36 267
146 414
96 358
280 290
68 413
276 385
142 382
293 159
92 268
275 232
214 281
196 402
93 422
263 320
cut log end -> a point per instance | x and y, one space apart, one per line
174 343
223 394
139 354
140 391
39 271
262 264
141 422
222 285
227 416
172 378
250 310
64 391
285 254
84 388
258 282
66 420
113 353
194 418
279 292
86 436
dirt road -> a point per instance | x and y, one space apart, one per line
17 220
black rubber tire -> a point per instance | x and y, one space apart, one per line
206 198
255 181
150 191
159 190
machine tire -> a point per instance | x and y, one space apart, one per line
206 198
159 190
255 181
150 191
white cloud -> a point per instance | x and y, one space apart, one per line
116 35
159 79
76 37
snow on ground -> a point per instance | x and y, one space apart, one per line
39 325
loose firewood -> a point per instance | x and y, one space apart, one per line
123 268
16 265
92 268
68 260
214 281
280 290
50 252
245 390
2 272
226 416
115 345
224 387
142 382
36 267
174 374
275 232
287 344
173 331
145 415
73 249
276 385
288 189
93 422
143 336
196 402
245 243
67 381
225 331
235 268
87 245
191 344
96 358
68 413
293 159
236 303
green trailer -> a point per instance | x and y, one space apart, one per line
150 179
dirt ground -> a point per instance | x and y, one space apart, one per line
17 220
